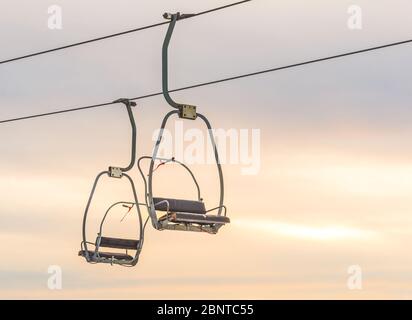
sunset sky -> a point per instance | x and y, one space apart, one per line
335 182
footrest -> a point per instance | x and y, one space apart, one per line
106 255
204 219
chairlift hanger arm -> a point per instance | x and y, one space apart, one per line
185 111
129 104
165 60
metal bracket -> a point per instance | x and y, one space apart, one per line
126 102
115 172
179 16
168 16
188 112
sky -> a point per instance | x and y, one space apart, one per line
335 179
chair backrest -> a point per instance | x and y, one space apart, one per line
177 205
118 243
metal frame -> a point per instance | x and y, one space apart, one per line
165 160
164 224
116 172
149 194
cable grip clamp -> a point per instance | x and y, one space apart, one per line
187 111
115 172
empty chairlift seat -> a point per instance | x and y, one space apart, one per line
92 251
182 215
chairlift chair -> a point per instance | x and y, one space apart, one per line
97 255
183 215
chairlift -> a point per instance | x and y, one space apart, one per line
183 215
92 252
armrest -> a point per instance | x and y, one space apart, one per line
167 206
224 207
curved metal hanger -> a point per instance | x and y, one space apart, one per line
185 111
129 104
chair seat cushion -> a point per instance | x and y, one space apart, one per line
182 217
177 205
107 255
